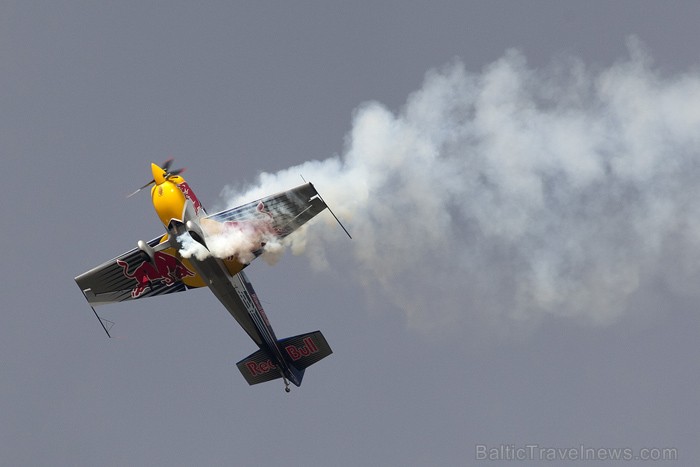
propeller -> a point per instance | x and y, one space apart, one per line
167 174
166 165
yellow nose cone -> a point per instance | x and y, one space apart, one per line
158 174
168 201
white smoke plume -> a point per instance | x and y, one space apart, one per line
231 242
514 193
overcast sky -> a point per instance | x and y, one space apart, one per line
519 178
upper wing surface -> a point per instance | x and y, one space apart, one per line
280 214
131 276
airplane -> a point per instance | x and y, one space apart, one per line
159 267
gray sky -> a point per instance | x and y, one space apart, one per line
439 344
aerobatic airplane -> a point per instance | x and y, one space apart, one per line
157 267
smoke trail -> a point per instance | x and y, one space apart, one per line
517 193
232 241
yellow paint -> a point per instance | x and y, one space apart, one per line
158 174
168 200
233 266
192 281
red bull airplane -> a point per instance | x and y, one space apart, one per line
157 267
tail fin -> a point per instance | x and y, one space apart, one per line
299 353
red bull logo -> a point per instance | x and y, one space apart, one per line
189 194
166 269
295 353
260 368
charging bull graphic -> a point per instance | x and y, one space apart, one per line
165 268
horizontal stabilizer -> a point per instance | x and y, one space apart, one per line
304 350
299 352
258 367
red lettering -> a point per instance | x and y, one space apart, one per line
295 353
256 368
310 345
252 368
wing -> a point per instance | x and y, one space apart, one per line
280 214
133 275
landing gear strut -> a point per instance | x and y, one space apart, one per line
286 384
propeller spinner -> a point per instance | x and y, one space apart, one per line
160 174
